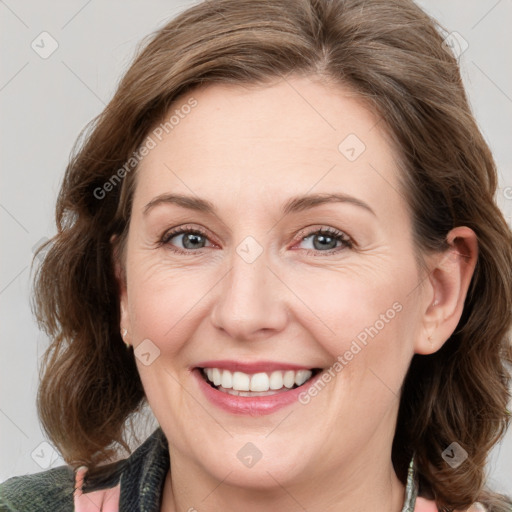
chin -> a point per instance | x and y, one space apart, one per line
257 463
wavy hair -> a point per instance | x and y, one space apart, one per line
391 54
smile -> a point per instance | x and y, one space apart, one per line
256 384
253 389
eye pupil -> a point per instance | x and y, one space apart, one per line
193 239
324 241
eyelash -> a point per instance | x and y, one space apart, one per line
346 241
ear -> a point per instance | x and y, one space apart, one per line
448 283
120 275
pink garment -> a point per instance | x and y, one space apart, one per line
106 500
423 505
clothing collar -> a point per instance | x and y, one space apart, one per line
142 481
411 488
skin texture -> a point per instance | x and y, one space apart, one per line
248 150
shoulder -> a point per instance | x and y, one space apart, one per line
142 474
48 490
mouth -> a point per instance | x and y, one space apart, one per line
241 384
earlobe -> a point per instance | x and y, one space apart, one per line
449 280
124 335
124 317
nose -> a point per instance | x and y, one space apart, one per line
251 302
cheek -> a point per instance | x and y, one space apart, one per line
160 304
167 301
342 306
365 321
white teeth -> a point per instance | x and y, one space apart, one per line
227 379
289 379
216 377
302 376
241 381
257 382
260 382
276 380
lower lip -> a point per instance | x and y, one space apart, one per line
247 405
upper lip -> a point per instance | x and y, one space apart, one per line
251 367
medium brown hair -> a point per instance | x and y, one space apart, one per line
392 55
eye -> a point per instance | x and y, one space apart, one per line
190 238
326 240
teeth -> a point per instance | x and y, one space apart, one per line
276 380
257 382
302 376
216 377
289 379
260 382
241 381
227 379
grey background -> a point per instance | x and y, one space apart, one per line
46 102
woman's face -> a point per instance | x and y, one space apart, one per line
269 282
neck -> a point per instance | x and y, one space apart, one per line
369 487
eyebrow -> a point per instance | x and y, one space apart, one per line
294 204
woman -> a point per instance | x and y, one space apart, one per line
286 213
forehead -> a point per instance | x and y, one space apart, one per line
266 143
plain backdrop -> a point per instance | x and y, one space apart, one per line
47 99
